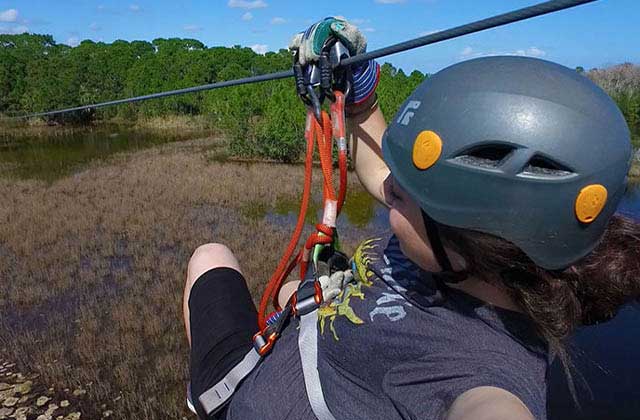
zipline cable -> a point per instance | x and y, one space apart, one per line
477 26
218 85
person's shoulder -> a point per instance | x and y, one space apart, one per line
488 403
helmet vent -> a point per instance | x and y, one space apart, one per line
485 156
543 166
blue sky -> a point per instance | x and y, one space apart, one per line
593 35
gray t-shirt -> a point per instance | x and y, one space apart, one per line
395 345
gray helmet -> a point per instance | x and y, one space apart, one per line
521 148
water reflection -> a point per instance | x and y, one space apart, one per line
630 204
361 213
50 157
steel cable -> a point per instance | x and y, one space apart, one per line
477 26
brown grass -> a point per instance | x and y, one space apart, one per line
634 172
92 267
176 122
32 128
621 79
36 127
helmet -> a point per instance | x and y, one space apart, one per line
520 148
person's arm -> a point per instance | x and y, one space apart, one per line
488 403
365 128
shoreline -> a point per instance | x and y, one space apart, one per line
40 128
198 125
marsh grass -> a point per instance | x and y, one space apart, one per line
634 172
176 122
38 129
93 265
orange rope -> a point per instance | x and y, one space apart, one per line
320 133
325 147
273 286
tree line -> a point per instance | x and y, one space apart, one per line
261 120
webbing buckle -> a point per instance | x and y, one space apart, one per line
264 345
307 299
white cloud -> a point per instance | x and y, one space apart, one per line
247 16
134 8
10 15
259 48
95 27
389 1
537 51
192 28
532 52
278 20
74 41
246 4
14 30
368 29
469 52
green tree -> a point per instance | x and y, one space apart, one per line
260 120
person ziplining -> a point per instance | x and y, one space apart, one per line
502 176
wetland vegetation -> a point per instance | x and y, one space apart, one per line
93 263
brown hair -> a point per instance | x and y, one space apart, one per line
590 291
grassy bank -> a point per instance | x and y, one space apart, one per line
93 267
40 128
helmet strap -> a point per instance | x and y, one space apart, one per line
433 234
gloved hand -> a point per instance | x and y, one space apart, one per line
333 285
308 45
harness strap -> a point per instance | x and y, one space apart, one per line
215 397
320 129
308 345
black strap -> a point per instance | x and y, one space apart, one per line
433 234
447 274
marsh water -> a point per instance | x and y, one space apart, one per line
53 153
607 356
